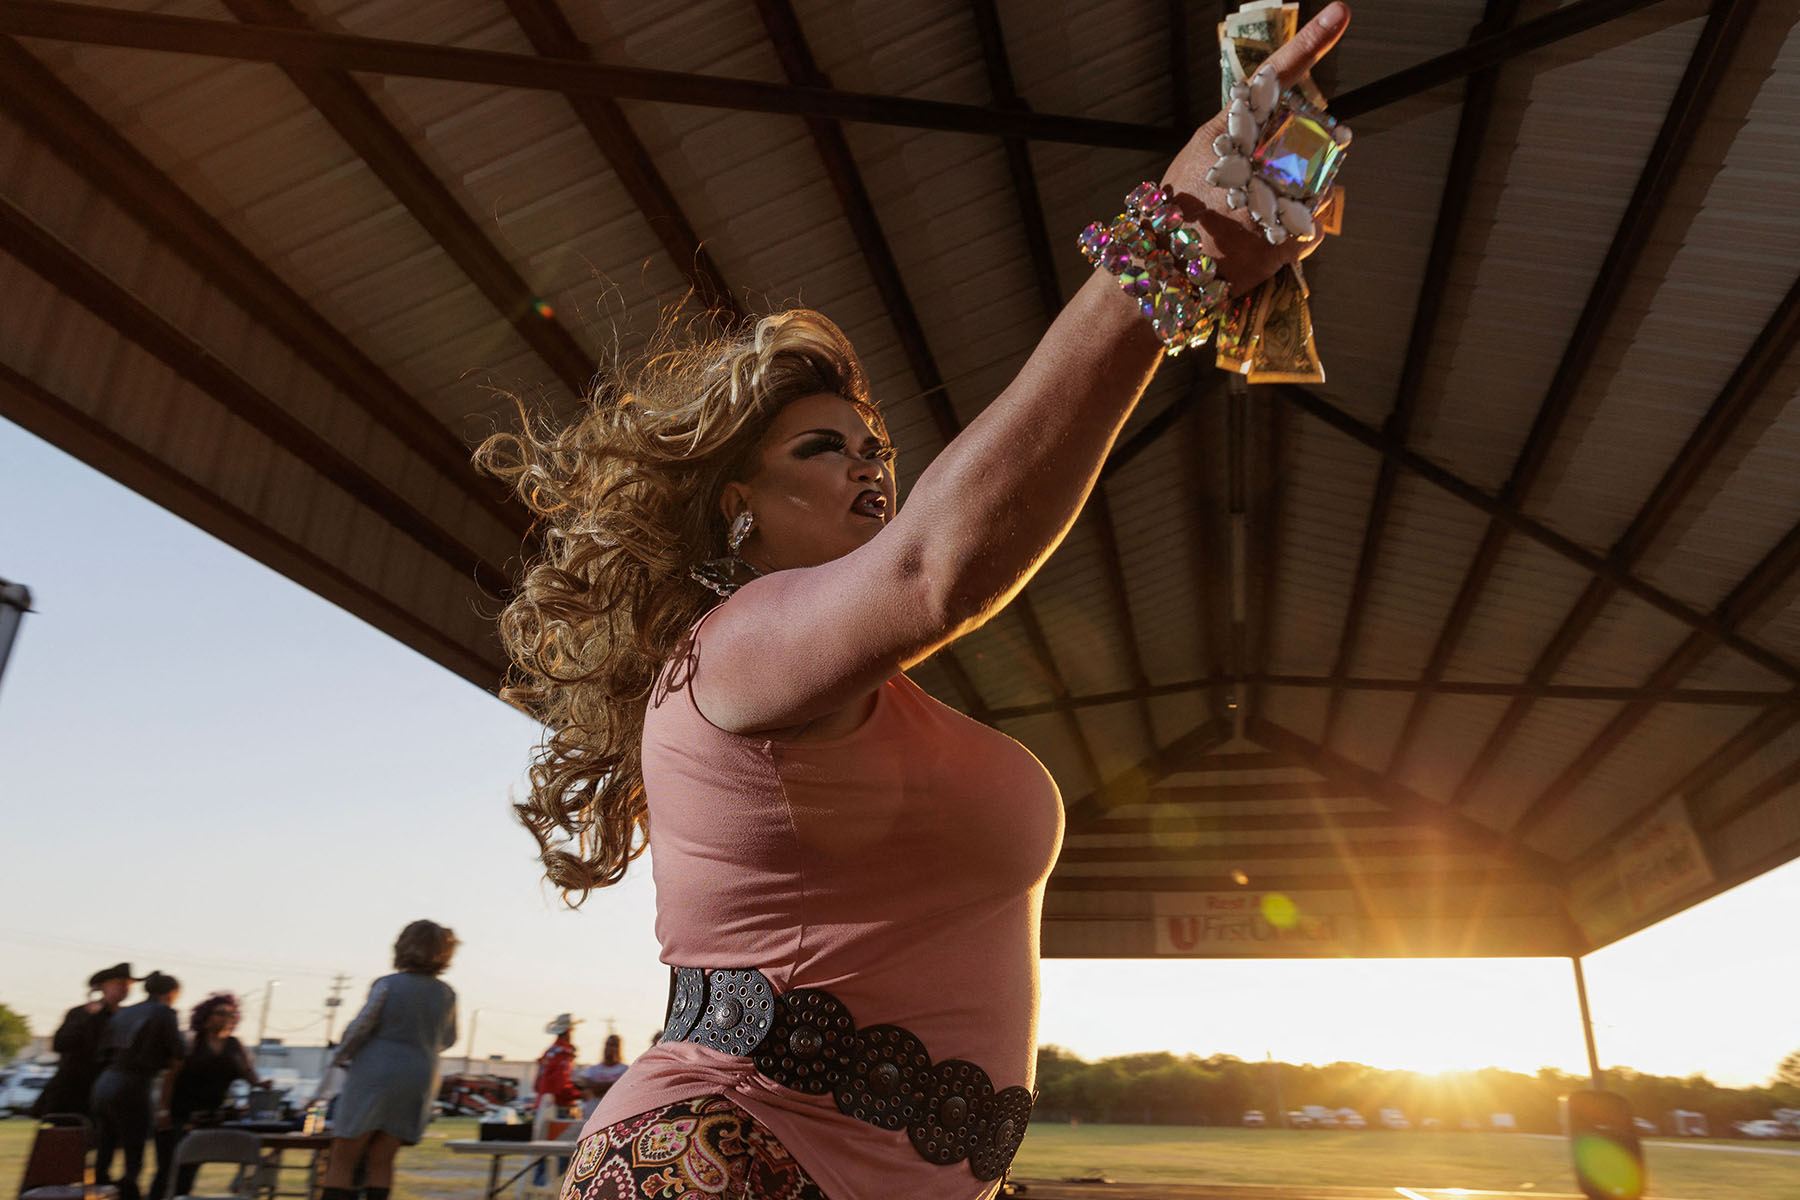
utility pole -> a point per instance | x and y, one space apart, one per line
262 1018
338 983
469 1050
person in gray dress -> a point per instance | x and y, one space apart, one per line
390 1053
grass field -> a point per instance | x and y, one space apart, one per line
1163 1154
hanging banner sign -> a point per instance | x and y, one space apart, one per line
1656 866
1661 861
1278 924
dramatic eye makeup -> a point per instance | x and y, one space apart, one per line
830 441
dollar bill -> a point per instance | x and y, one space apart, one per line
1282 344
1267 334
1328 218
1249 35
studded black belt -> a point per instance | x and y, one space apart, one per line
806 1040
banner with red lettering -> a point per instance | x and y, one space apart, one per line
1279 924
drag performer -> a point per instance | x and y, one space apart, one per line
849 875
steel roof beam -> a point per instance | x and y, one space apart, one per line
1050 299
80 281
1453 205
1537 531
1729 409
33 407
1564 22
1716 697
550 32
1400 799
1299 881
316 50
1300 822
1763 582
1087 814
85 141
1242 852
1698 780
362 124
1708 66
1754 798
846 179
1265 521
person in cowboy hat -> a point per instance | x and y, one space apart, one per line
77 1042
556 1065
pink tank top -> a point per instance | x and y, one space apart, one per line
900 867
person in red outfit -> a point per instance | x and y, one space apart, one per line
556 1065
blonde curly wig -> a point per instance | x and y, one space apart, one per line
626 498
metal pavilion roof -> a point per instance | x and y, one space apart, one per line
1487 646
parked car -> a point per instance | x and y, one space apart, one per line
1431 1125
1758 1129
1643 1125
1299 1120
22 1088
1254 1119
1349 1118
1683 1123
1503 1123
1393 1118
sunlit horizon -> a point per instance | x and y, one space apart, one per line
211 771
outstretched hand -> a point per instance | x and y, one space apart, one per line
1245 256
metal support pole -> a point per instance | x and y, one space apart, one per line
15 602
1587 1022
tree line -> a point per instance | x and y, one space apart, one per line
1168 1089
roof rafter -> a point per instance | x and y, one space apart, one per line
90 145
550 32
1361 882
1453 204
1401 799
1537 531
76 278
1050 300
1171 850
1701 778
846 180
33 407
386 152
315 49
1763 582
1301 822
1714 430
1707 68
1718 697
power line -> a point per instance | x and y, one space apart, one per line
147 954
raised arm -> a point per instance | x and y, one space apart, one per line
990 509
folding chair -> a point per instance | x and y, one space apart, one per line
219 1146
57 1168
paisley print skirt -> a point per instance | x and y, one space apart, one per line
706 1148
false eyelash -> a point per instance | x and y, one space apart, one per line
884 453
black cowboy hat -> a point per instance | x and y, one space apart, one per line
116 971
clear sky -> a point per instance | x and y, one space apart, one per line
208 770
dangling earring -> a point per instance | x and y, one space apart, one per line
722 574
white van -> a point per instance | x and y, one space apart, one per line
21 1089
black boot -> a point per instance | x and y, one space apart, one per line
375 1193
332 1193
